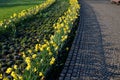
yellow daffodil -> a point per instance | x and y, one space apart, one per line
41 74
35 70
56 48
48 48
44 45
58 31
52 61
51 42
28 67
5 78
30 51
27 59
34 56
23 54
8 70
62 24
41 48
54 44
20 77
50 53
51 37
36 47
1 23
15 66
14 15
14 75
68 31
1 76
64 38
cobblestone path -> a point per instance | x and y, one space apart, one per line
95 52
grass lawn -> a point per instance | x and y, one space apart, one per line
8 7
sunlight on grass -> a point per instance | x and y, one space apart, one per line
7 8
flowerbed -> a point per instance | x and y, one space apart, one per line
43 56
8 27
28 34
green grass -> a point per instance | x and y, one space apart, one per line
11 1
9 7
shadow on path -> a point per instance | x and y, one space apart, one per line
86 59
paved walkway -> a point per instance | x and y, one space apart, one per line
95 52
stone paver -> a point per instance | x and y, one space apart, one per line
95 52
109 20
